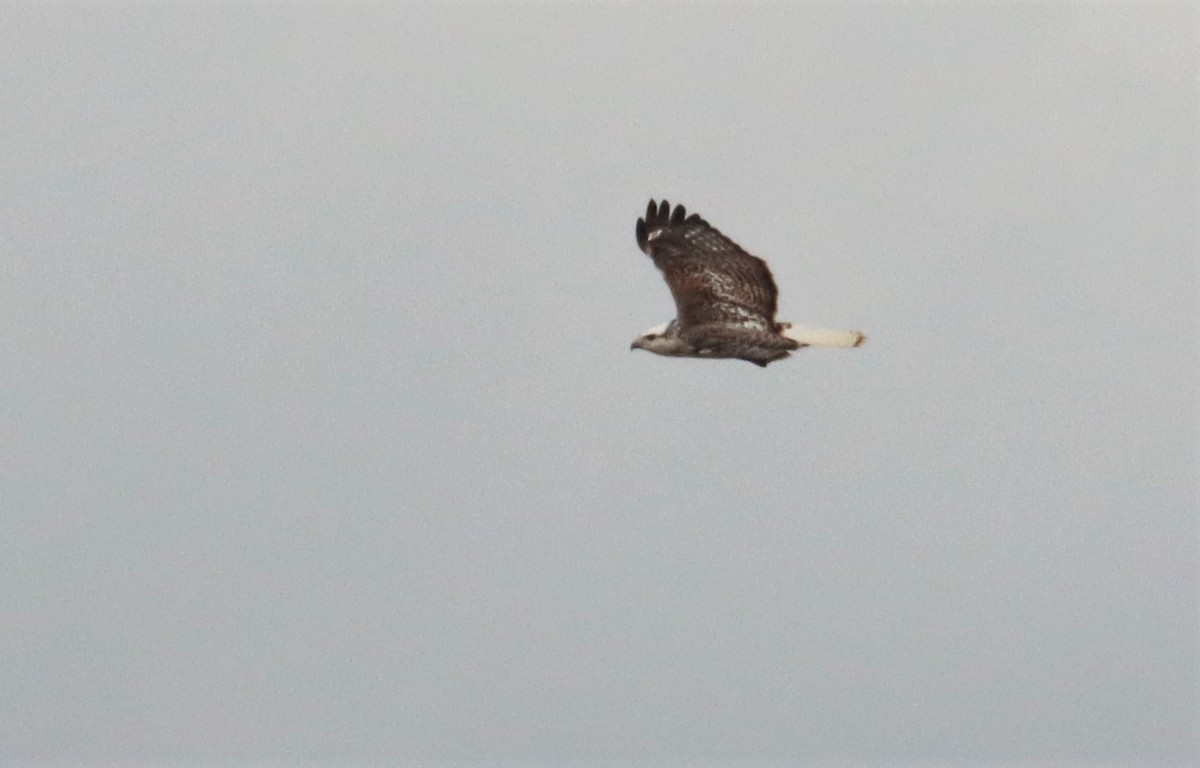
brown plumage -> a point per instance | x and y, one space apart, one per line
725 298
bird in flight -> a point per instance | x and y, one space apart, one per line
724 297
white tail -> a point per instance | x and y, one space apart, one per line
822 337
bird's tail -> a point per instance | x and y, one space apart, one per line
807 335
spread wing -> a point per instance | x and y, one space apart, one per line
711 278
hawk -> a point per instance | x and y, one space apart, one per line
724 297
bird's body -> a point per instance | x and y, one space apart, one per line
724 297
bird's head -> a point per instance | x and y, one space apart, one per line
661 340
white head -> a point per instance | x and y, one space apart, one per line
662 340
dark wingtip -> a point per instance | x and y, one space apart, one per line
660 214
641 233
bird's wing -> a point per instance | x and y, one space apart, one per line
711 278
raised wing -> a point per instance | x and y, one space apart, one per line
711 278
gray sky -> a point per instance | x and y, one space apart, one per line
322 439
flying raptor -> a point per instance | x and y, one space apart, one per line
724 297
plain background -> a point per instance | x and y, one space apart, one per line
322 440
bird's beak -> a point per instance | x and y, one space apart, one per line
637 344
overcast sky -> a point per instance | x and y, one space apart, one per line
322 439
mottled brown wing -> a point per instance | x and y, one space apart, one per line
711 278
